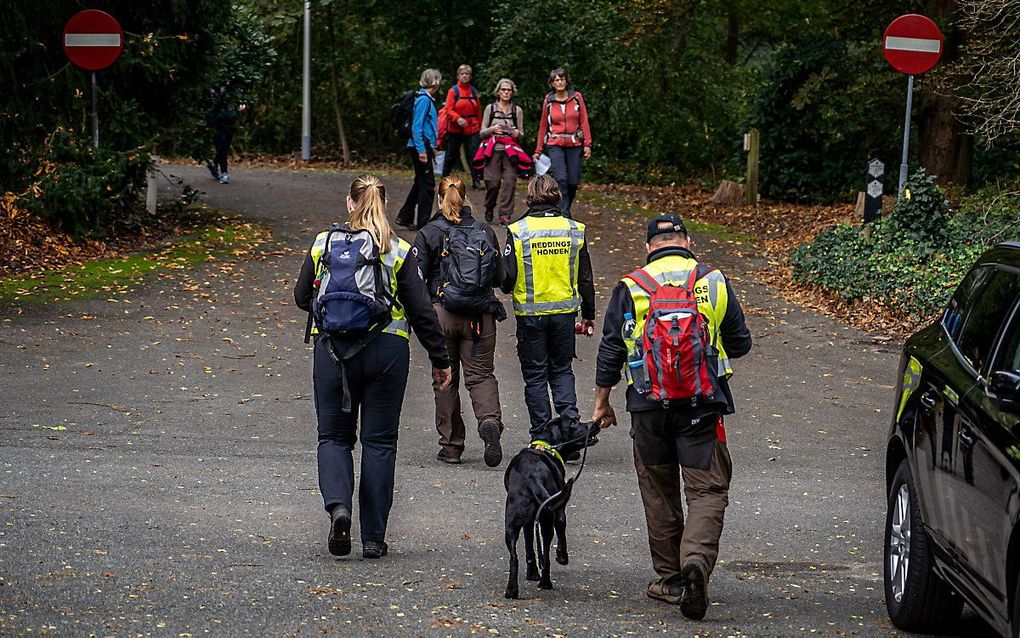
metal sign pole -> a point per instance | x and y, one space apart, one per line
306 93
906 136
95 114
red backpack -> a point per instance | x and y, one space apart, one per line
680 360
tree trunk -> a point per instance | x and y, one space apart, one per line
732 32
341 136
945 148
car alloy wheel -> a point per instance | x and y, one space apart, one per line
899 543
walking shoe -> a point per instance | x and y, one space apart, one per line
224 178
212 170
489 431
373 549
573 457
488 216
694 601
406 224
339 531
477 185
666 592
449 455
504 220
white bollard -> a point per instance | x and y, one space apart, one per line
151 185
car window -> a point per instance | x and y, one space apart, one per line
1008 356
952 320
989 308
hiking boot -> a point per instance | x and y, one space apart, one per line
224 178
666 592
488 216
373 549
573 457
477 185
449 455
489 430
406 224
339 542
504 221
212 170
694 601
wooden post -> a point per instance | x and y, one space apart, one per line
151 185
751 146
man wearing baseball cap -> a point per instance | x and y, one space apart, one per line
676 407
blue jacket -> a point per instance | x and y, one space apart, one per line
425 123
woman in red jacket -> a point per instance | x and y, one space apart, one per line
564 134
464 111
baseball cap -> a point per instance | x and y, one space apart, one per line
658 226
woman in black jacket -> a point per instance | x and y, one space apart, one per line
365 375
462 263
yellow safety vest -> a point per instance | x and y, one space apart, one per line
547 251
710 292
392 262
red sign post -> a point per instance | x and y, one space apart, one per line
93 40
913 45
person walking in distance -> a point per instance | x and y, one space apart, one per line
421 147
462 262
564 134
363 294
549 273
675 309
504 121
464 110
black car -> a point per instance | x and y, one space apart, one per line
953 460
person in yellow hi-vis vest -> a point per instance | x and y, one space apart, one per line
548 270
364 293
675 324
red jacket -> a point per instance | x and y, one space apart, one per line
466 106
563 123
517 155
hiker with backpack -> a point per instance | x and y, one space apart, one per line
415 114
502 127
674 325
564 134
464 115
462 263
364 293
548 270
222 119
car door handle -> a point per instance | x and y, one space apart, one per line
967 438
928 399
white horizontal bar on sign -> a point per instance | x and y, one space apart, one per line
91 39
912 44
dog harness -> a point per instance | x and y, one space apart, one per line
542 446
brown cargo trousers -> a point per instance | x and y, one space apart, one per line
667 446
500 180
475 355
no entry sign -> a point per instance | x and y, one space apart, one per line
912 44
93 39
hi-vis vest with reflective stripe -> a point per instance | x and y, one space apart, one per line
547 251
392 261
710 291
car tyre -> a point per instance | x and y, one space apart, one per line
916 598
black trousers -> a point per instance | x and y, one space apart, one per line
545 347
221 140
376 377
453 144
422 192
566 168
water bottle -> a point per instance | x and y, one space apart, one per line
635 356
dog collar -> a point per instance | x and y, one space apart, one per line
546 447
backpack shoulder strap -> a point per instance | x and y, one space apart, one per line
474 92
456 91
644 281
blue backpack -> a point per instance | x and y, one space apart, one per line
353 298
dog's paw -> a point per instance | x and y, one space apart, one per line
546 584
512 594
532 573
562 558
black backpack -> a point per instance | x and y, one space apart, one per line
467 269
402 113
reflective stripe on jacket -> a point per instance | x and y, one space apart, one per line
392 261
546 250
709 290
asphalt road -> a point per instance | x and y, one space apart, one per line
181 496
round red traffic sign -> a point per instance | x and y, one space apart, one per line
912 43
93 39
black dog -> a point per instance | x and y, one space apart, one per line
536 479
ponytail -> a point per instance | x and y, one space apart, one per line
369 197
452 197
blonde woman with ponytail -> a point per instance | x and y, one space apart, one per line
359 374
461 261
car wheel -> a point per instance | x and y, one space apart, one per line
916 598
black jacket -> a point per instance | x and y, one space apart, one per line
412 296
733 332
585 278
428 244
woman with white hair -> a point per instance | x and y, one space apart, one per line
502 119
421 146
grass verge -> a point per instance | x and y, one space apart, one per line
621 204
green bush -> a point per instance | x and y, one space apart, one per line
87 191
913 259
